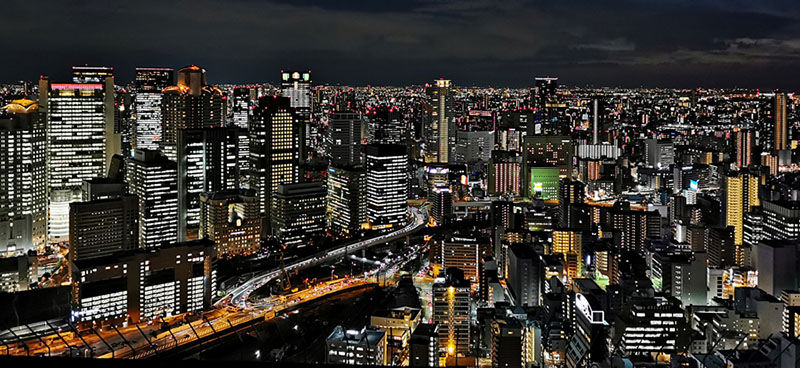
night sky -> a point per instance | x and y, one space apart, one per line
666 43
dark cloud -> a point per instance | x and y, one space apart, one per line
635 42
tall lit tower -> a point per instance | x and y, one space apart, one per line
153 179
23 201
442 138
274 149
191 104
242 113
386 185
344 138
781 129
147 106
741 194
744 148
296 85
76 144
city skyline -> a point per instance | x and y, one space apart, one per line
674 44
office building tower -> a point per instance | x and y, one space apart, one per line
571 195
525 275
104 75
274 150
386 185
424 349
451 311
356 347
777 263
387 125
442 208
23 184
781 219
76 144
442 137
17 272
660 153
147 106
241 115
103 227
505 169
507 343
346 205
474 146
298 213
569 243
231 219
588 344
744 148
344 138
651 325
145 284
781 132
549 151
462 253
296 86
741 195
682 275
154 180
543 92
190 104
206 163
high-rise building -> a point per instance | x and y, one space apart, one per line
777 262
103 227
242 114
296 86
76 144
660 153
741 195
588 344
147 106
781 219
651 325
231 219
344 138
424 350
569 243
525 275
451 311
298 213
190 104
274 150
744 148
462 253
154 179
442 137
387 125
346 205
23 184
571 194
505 168
206 163
442 208
507 343
386 185
781 128
474 146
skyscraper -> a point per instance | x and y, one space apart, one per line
274 150
147 106
103 227
297 87
387 125
346 205
741 194
344 138
386 185
298 213
231 219
442 137
781 128
206 163
23 189
76 144
744 148
569 243
242 113
154 179
451 311
191 104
